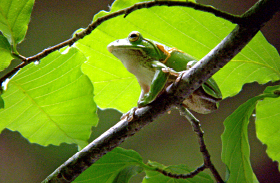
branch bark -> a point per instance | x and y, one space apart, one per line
255 17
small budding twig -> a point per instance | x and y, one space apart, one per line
206 156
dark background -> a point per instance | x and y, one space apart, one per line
168 140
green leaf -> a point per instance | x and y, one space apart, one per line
258 61
14 18
5 53
125 175
236 150
268 124
156 177
118 165
192 31
52 102
1 102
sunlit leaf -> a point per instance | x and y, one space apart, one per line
192 31
156 177
236 149
258 61
5 53
52 102
268 124
14 19
117 166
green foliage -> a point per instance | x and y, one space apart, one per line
267 123
194 32
14 18
118 165
258 61
52 102
236 150
5 53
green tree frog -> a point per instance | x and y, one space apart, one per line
156 66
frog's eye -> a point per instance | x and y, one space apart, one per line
134 36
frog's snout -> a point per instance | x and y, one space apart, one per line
110 47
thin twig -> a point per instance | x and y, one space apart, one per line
182 176
236 19
203 149
126 11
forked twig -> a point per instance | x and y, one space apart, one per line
197 129
203 149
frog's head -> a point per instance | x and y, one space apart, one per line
135 47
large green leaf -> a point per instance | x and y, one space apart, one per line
236 150
14 19
117 166
192 31
258 61
156 177
5 53
52 102
268 124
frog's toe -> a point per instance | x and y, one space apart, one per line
178 79
170 71
129 115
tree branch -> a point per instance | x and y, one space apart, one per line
126 11
173 96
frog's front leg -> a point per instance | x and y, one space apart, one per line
158 83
